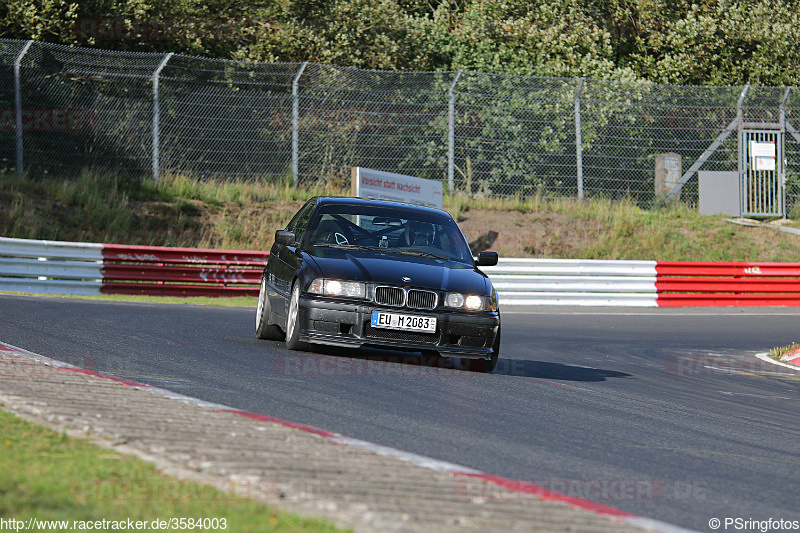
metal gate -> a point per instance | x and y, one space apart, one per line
761 173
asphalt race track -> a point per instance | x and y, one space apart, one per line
666 414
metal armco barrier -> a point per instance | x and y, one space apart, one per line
575 282
52 267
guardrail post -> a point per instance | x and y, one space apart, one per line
451 131
18 105
296 124
579 138
156 117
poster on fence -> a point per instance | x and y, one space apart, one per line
763 154
380 185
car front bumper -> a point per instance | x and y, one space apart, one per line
458 334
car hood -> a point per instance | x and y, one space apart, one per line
389 268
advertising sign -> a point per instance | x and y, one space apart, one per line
379 185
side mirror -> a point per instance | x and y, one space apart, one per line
487 259
285 237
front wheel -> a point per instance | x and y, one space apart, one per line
265 330
293 321
484 365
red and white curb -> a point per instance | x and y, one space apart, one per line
788 360
792 357
511 485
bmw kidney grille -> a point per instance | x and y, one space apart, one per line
399 297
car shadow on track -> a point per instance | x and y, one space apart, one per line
555 371
377 355
377 361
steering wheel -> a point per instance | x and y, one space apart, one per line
340 238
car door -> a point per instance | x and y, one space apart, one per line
285 262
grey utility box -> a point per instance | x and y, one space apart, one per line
719 193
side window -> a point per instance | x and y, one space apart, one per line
299 223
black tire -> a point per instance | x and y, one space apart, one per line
484 365
292 321
265 330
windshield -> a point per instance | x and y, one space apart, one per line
388 229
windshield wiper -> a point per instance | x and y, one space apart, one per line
405 251
343 246
418 253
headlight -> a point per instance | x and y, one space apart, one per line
471 302
334 287
454 299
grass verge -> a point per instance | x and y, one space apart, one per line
212 213
778 352
176 211
49 476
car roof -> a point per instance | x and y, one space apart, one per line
343 200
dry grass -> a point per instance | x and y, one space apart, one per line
181 211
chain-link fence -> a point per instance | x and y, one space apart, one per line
66 108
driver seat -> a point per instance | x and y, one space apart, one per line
418 233
323 234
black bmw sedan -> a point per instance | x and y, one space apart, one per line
356 272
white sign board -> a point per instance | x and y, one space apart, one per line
368 183
763 155
759 149
764 163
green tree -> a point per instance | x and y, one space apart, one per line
722 42
543 38
371 34
713 42
215 28
43 20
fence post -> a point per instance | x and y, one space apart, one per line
451 131
18 104
296 124
579 138
740 105
783 109
156 116
736 124
782 177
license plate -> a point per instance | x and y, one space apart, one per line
425 324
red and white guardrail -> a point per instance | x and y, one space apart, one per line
645 283
54 267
